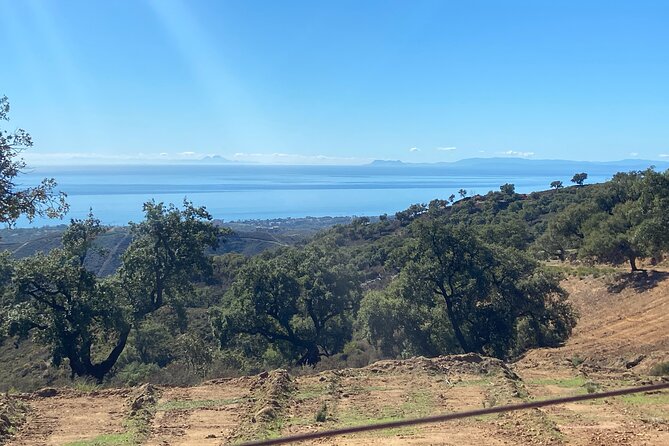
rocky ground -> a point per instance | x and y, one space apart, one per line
623 331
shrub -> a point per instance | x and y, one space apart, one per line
322 413
136 373
576 360
660 369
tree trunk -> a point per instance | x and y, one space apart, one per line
455 323
80 362
77 367
633 263
311 357
99 371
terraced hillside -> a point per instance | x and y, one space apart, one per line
248 237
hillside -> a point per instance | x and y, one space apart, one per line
624 323
249 237
623 330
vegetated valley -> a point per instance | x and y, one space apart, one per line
446 306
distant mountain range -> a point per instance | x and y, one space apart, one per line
515 166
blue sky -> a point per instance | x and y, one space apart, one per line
337 82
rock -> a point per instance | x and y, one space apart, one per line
146 396
635 361
265 413
46 392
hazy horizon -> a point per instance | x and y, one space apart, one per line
239 192
216 160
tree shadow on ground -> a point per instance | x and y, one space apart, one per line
638 280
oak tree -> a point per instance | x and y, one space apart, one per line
39 201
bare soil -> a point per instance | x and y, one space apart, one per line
69 416
622 332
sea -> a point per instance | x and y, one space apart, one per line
251 192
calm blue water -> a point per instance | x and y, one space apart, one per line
231 192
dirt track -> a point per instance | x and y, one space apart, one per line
619 336
69 416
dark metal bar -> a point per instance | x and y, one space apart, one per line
453 416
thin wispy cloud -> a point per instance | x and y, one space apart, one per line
61 158
446 149
518 154
414 149
83 158
664 155
634 153
88 157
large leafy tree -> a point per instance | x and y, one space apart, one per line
564 234
613 238
653 214
632 220
41 200
302 301
80 317
168 253
456 293
86 319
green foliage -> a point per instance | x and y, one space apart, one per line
136 373
322 414
122 439
73 312
86 319
591 387
626 220
610 238
508 189
411 213
564 233
443 278
41 200
167 255
576 360
302 300
456 293
660 369
194 353
195 404
154 343
579 178
509 231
